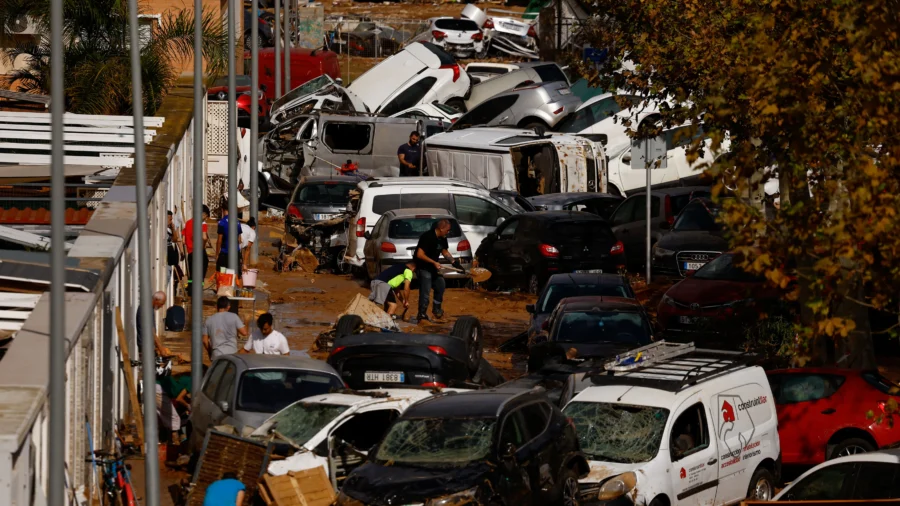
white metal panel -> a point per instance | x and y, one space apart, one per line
100 161
83 137
80 119
73 147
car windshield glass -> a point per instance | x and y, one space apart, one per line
303 420
446 109
697 216
587 116
722 268
437 442
556 293
324 193
461 25
602 327
510 200
618 432
413 228
270 390
304 89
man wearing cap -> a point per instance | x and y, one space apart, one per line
409 154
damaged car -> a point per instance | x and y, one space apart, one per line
493 446
322 94
460 37
532 106
377 359
505 31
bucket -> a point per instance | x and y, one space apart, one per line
249 277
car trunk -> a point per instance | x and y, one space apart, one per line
582 244
322 201
386 367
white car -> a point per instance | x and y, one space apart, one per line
671 424
436 111
864 477
349 423
460 37
421 73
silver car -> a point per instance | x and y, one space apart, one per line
396 234
530 105
244 390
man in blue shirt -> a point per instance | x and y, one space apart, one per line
222 243
227 491
410 154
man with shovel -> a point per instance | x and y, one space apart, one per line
432 245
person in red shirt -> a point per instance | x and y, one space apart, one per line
189 243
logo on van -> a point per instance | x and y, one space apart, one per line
727 412
752 403
683 473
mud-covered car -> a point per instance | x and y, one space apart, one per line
496 446
391 359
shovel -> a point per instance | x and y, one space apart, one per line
476 274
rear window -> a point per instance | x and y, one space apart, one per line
680 201
462 25
550 73
384 203
580 230
324 193
413 228
697 216
443 56
271 390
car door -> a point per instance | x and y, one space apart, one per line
516 486
223 402
622 221
831 483
350 441
692 450
202 405
477 217
499 250
372 247
809 412
543 448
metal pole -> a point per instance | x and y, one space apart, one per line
559 13
254 130
278 48
199 248
287 45
57 434
649 165
232 143
148 352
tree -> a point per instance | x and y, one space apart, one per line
805 90
97 60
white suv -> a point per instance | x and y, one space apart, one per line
478 212
668 424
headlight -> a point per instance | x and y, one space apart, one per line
669 301
617 487
345 500
662 252
458 499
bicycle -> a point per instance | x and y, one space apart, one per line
117 490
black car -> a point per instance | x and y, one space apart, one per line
560 286
601 204
591 327
318 198
498 446
391 359
695 239
264 33
553 378
528 248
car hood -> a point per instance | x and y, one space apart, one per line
376 484
333 92
602 471
710 292
695 241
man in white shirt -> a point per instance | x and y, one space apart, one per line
266 340
248 237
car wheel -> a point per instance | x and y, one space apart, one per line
762 485
539 127
341 265
468 328
852 446
458 104
347 325
568 484
534 284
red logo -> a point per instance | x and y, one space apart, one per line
727 412
683 473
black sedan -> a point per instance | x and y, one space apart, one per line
695 239
498 446
391 359
601 204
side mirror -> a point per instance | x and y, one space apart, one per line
627 159
529 308
665 226
224 406
339 81
508 452
367 235
500 221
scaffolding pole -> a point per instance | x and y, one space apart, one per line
197 277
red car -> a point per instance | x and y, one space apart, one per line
716 298
822 413
219 91
306 64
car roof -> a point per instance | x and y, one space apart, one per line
322 179
377 182
476 404
256 361
576 278
821 370
589 302
418 211
563 216
561 198
676 190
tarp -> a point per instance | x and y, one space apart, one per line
370 312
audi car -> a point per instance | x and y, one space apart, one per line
696 239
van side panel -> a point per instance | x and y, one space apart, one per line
493 170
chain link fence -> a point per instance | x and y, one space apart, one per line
362 42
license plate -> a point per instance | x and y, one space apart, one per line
590 271
384 377
688 320
693 266
510 26
321 217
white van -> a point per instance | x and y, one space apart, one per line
477 211
668 424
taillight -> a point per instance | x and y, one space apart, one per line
294 212
670 218
388 247
437 350
531 32
455 68
558 110
437 34
361 227
617 249
338 350
549 251
463 245
453 120
489 24
434 384
477 36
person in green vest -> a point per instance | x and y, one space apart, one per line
386 289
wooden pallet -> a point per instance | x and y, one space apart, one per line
297 488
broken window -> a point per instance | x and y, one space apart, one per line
618 432
409 97
303 420
343 137
365 430
437 442
690 432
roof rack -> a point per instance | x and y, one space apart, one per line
669 366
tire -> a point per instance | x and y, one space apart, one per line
341 266
468 328
851 446
762 485
568 488
538 126
347 325
262 188
458 104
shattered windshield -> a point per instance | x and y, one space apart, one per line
303 420
304 89
618 432
437 442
